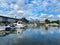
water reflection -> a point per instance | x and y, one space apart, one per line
20 32
5 33
32 36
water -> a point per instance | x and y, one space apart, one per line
32 36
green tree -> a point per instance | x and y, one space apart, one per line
57 21
25 20
47 21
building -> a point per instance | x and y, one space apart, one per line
7 19
42 22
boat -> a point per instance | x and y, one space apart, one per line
20 25
10 27
2 28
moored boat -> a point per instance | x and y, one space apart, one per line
20 25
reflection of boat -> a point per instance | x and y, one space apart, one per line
58 25
4 33
20 32
20 25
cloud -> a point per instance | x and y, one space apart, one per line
51 16
58 16
30 8
43 15
20 11
14 6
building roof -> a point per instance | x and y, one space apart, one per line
8 17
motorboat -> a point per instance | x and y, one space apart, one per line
2 28
10 27
20 25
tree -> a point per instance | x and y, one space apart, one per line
47 21
57 21
25 20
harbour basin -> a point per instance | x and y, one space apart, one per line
32 36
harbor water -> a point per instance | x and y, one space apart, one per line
32 36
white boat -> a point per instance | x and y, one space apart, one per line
20 25
10 27
2 28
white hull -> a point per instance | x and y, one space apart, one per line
20 26
2 28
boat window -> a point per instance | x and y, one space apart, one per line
12 26
19 22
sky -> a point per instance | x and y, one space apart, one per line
31 9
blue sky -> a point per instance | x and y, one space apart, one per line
30 8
